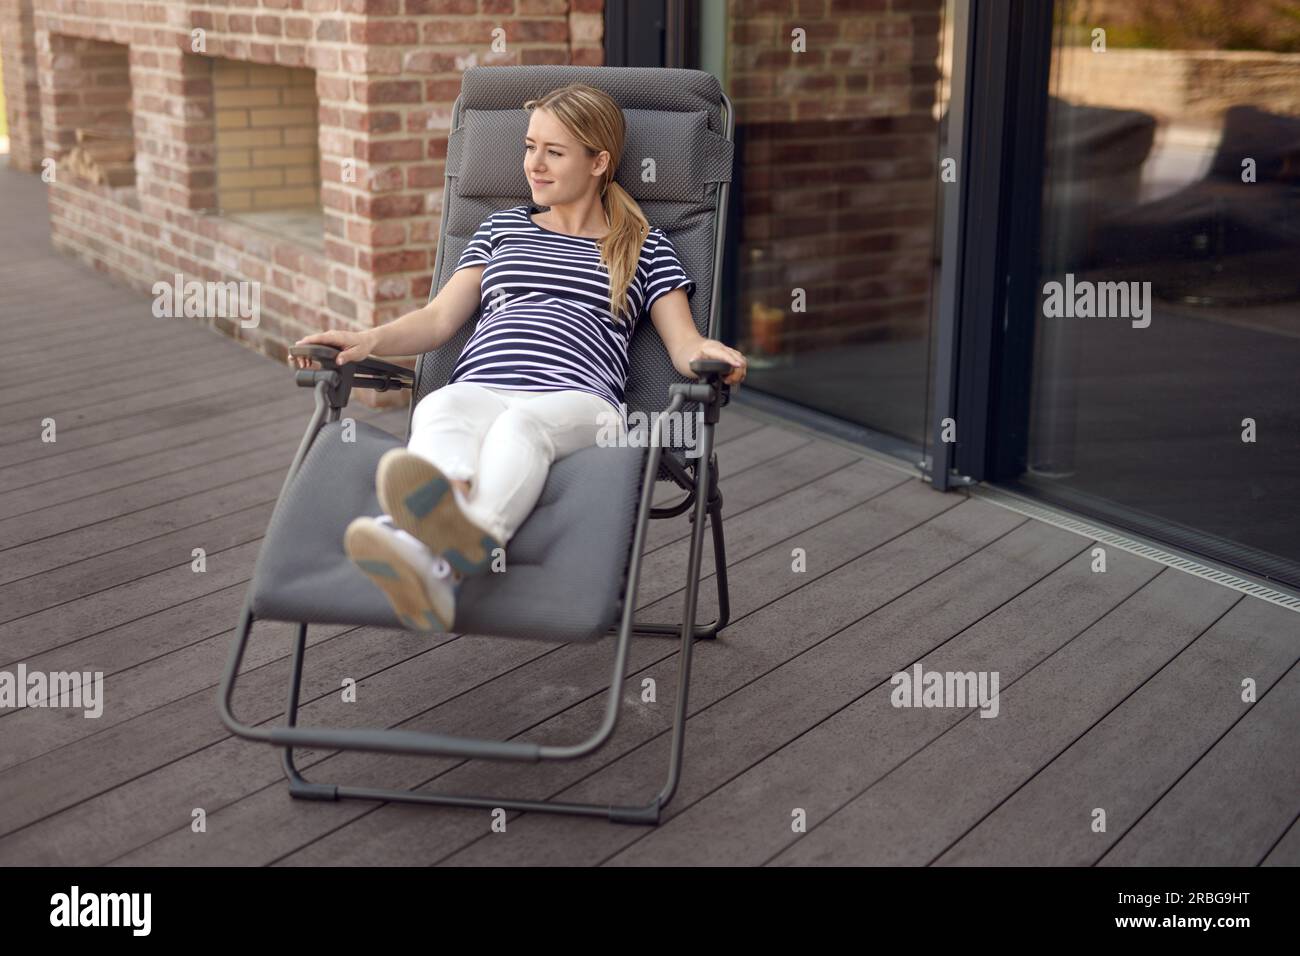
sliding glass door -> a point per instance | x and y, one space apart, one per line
1164 374
837 188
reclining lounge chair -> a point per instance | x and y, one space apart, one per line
574 565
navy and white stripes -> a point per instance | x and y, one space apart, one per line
545 323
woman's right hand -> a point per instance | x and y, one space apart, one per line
353 346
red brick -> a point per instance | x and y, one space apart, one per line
476 32
429 61
333 223
334 197
386 91
380 122
291 54
383 180
421 287
393 150
425 177
342 305
389 207
331 31
323 58
377 233
442 8
392 288
374 8
444 90
405 260
333 88
383 31
340 251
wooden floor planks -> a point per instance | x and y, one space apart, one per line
1118 690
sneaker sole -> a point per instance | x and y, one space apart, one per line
420 499
372 551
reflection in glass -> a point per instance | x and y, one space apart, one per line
837 178
1173 172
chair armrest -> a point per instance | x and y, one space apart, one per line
712 371
368 373
712 393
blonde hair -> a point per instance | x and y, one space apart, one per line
597 122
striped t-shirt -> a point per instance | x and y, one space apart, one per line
545 323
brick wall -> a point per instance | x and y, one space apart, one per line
87 86
22 85
383 74
838 148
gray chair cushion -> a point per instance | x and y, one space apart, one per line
565 567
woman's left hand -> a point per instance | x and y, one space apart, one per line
713 349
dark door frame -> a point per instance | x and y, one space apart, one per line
985 323
652 33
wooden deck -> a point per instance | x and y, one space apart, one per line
1118 690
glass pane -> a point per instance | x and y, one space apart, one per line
1168 331
837 130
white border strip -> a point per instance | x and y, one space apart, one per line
1185 563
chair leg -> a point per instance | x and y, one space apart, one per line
304 789
710 630
298 786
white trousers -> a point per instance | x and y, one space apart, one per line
503 442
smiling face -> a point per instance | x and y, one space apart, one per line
558 167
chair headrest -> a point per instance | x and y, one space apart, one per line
673 149
666 155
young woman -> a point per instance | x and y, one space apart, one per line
561 291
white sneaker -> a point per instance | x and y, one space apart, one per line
420 585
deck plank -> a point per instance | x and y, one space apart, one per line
836 724
1287 850
917 809
1139 750
1250 781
